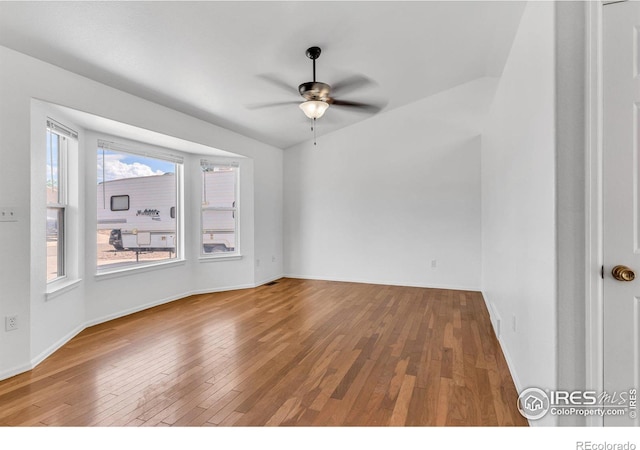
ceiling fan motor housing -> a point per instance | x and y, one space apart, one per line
315 90
313 52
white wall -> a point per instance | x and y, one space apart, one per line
518 203
54 319
570 195
46 324
378 201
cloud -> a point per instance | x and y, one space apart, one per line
115 169
118 169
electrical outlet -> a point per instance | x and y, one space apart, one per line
273 259
11 323
434 263
257 263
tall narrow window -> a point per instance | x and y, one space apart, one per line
219 208
136 207
56 183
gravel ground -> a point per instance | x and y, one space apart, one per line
108 255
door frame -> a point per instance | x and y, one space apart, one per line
594 216
594 289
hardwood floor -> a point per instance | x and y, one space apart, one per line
312 353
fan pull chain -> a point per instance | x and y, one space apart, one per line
313 127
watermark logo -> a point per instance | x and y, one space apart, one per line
589 445
535 403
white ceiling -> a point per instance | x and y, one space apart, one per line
210 59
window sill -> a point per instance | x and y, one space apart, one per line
205 259
116 273
60 288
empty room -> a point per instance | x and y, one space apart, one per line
319 214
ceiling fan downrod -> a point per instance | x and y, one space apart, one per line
313 53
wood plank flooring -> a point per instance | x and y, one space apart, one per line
306 353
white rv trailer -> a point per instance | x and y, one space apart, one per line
219 209
141 212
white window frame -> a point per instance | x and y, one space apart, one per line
64 134
149 151
236 209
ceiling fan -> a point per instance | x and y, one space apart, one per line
318 96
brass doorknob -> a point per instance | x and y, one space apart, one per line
623 273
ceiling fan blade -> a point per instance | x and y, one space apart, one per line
350 84
271 104
276 81
364 107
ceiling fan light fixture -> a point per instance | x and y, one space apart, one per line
314 109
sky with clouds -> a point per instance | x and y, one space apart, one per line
116 165
52 160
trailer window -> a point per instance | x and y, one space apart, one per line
119 203
219 214
137 200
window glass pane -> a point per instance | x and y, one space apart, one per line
219 187
55 228
53 167
219 208
55 243
218 231
136 196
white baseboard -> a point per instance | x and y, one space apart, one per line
42 356
385 282
52 348
503 347
225 289
268 280
133 310
15 371
172 299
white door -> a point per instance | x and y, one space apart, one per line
621 202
